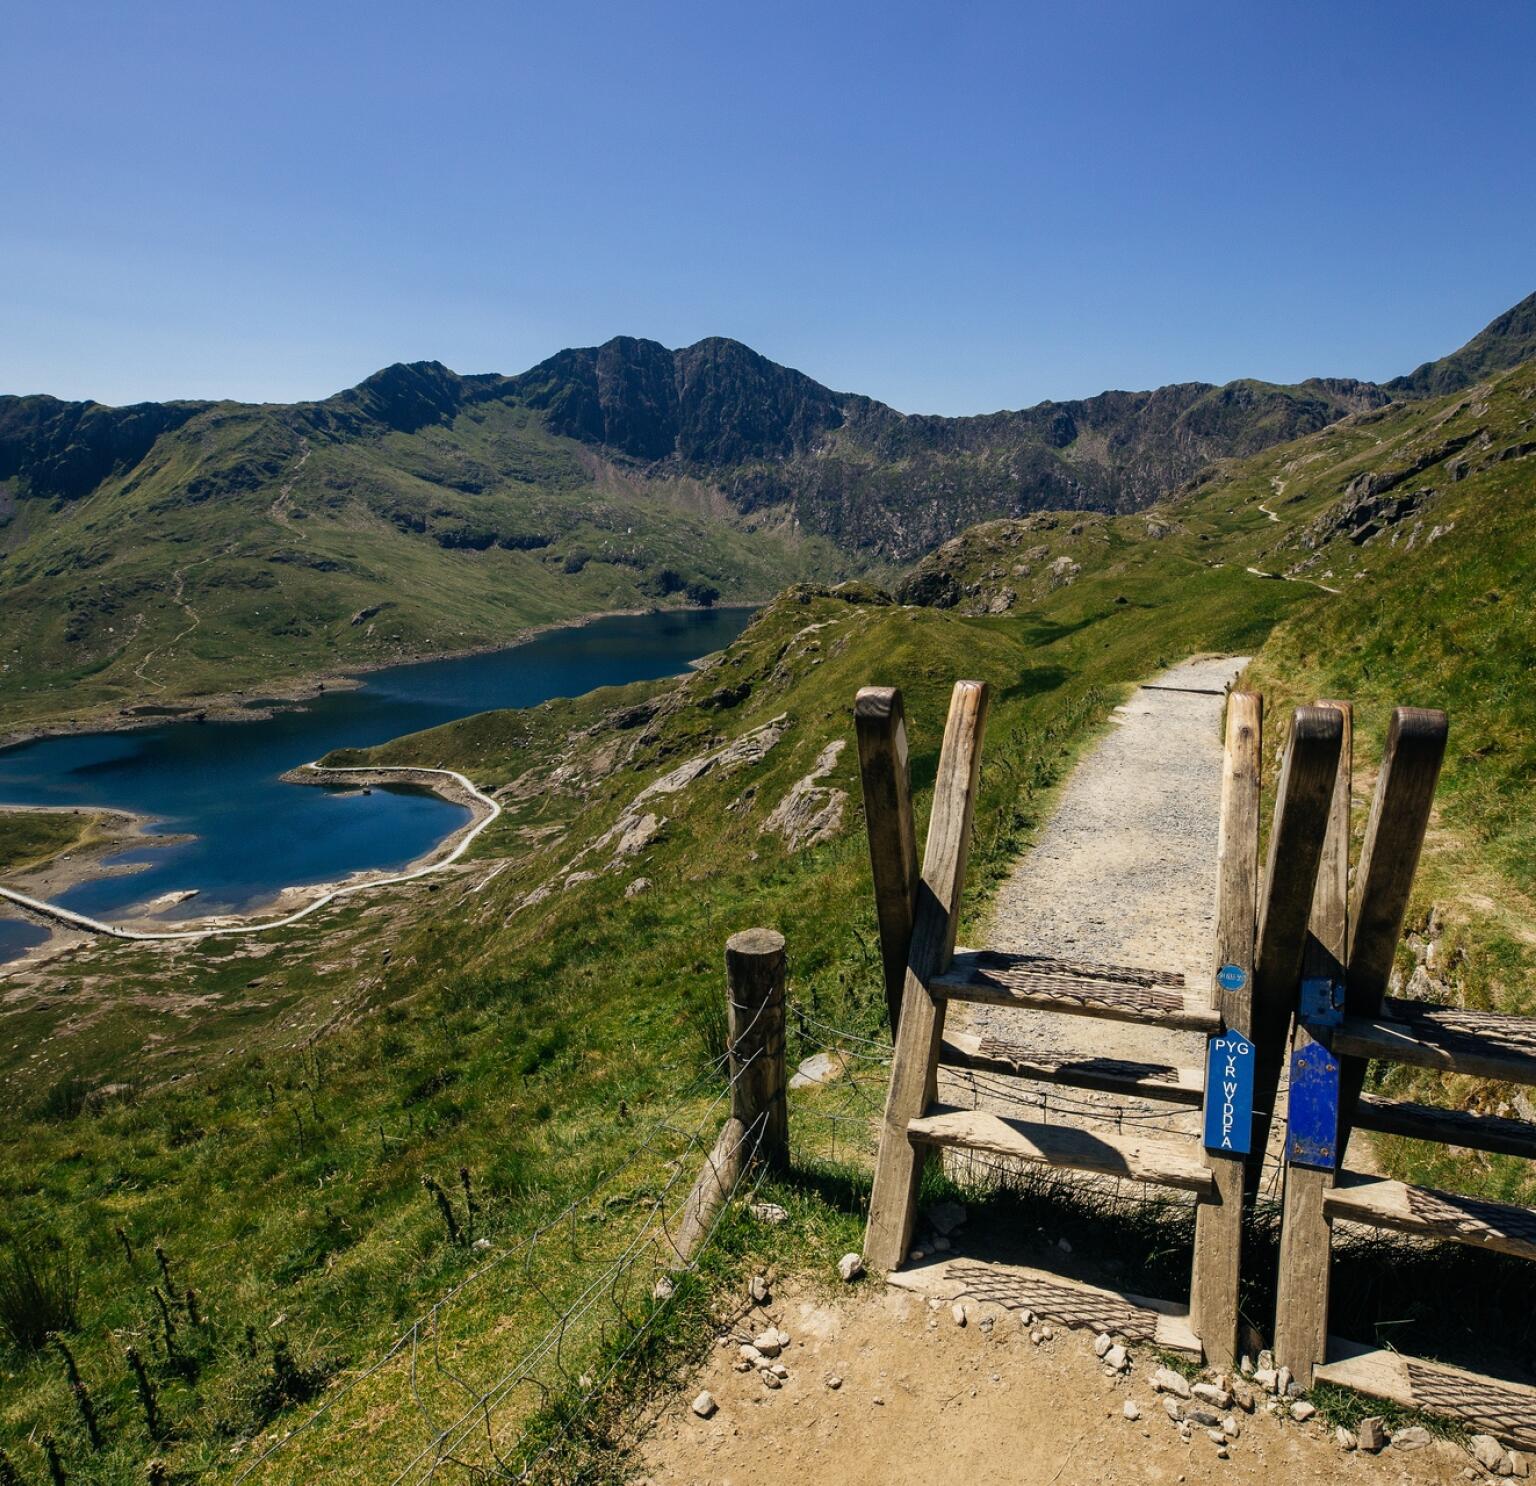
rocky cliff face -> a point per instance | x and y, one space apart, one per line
713 404
65 449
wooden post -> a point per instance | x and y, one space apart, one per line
1405 793
754 972
898 1169
882 733
1296 839
1301 1302
759 1120
1219 1223
715 1182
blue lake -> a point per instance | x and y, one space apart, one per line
219 782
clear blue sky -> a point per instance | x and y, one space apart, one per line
951 207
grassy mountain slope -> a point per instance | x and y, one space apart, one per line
166 554
266 1111
253 546
1500 345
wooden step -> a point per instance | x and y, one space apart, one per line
991 1280
1493 1406
1160 1081
1473 1221
1474 1132
1489 1044
1116 992
1166 1163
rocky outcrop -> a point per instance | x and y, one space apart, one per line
811 812
750 748
66 449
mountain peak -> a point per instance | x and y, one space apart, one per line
714 402
1502 343
407 395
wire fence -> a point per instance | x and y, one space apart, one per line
587 1289
583 1291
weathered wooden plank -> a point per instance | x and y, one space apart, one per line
1487 1044
1302 802
914 1061
1160 1081
881 726
1459 1127
754 972
1164 1163
1493 1406
1072 1303
1424 1211
1394 836
1001 978
1301 1303
715 1182
1219 1223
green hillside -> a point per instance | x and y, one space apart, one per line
171 555
251 547
266 1111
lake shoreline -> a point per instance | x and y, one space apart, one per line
293 901
120 829
233 767
245 706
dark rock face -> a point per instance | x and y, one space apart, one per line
932 589
407 395
66 449
869 478
713 404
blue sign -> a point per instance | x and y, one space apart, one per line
1312 1121
1229 1093
1231 977
1322 1002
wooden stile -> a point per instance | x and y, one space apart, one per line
920 1027
1302 802
881 727
1301 1306
1219 1220
1405 792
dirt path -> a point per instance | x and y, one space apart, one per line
922 1399
278 510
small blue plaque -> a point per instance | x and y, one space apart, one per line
1312 1121
1322 1002
1229 1093
1231 977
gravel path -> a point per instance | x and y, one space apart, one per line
1124 874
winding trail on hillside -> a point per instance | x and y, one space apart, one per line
462 790
278 510
178 597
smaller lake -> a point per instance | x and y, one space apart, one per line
253 835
